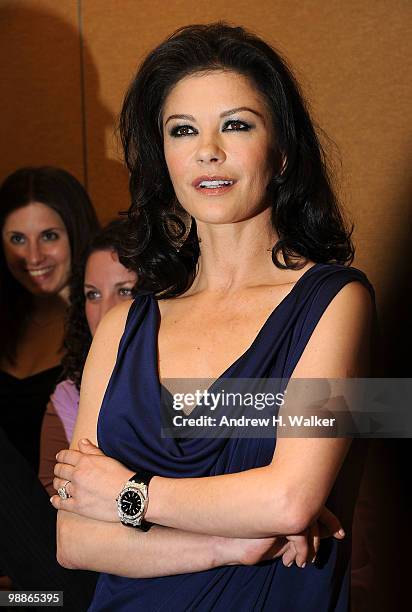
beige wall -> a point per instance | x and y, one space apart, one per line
66 66
40 110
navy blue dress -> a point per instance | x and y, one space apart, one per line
129 429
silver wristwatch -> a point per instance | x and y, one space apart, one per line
133 500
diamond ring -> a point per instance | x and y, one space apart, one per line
62 491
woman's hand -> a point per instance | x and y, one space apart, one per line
304 546
242 551
95 482
299 548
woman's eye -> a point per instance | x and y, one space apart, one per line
234 125
182 130
92 295
17 239
125 292
49 236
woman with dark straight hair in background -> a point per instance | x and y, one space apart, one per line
242 258
46 223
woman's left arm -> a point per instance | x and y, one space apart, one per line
286 496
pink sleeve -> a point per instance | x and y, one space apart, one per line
52 440
66 402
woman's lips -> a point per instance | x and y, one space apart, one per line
213 186
40 274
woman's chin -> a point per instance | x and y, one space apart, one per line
45 290
214 215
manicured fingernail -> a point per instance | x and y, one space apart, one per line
313 560
290 564
303 565
51 500
341 532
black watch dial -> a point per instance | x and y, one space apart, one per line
131 503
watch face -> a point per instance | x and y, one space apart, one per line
131 503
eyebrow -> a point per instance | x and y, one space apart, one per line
120 284
227 113
49 229
124 283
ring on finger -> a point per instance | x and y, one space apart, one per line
62 491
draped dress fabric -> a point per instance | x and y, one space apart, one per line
129 429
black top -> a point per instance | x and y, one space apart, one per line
23 402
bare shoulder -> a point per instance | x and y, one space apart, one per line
103 350
113 323
353 303
97 371
340 344
352 306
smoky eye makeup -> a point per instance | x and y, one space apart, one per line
230 125
182 130
237 125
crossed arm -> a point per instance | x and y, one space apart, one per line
288 495
85 543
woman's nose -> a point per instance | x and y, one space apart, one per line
34 254
209 151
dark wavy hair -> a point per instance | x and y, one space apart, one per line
305 211
63 193
77 335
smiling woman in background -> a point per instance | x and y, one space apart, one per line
46 223
95 288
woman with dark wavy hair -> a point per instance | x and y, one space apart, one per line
241 254
97 285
